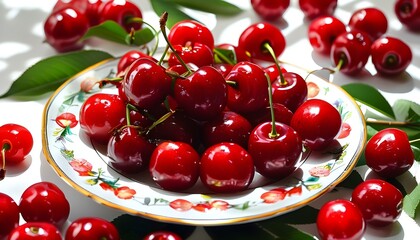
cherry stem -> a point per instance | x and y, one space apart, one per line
162 22
3 155
223 57
273 133
414 140
160 120
156 34
391 123
270 50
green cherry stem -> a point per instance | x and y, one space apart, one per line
273 133
391 123
270 50
162 21
156 33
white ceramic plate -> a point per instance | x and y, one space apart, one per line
85 168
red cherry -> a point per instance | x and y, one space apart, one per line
408 13
9 215
340 219
174 166
162 235
35 231
146 83
254 37
128 150
248 91
240 54
64 29
351 51
189 32
44 202
237 165
228 127
122 12
270 10
198 54
110 107
390 56
16 141
281 113
316 8
322 32
370 20
203 94
317 122
380 202
275 156
388 153
273 71
290 90
91 228
128 58
90 8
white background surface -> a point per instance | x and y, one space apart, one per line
21 45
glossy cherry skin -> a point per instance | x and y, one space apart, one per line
253 38
35 231
322 32
189 32
249 91
110 107
198 54
174 166
146 83
129 151
388 153
9 215
91 228
64 29
17 141
340 219
292 92
408 13
273 72
370 20
317 122
240 54
162 235
44 202
178 128
202 95
380 202
270 10
390 55
275 157
228 127
121 11
90 8
226 167
128 58
353 48
281 113
316 8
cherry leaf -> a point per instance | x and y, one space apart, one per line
112 31
406 110
371 97
48 74
411 202
218 7
174 13
135 227
224 56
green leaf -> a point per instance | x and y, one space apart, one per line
48 74
267 230
352 180
416 151
218 7
411 202
108 30
134 227
224 56
406 110
143 36
174 13
370 96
